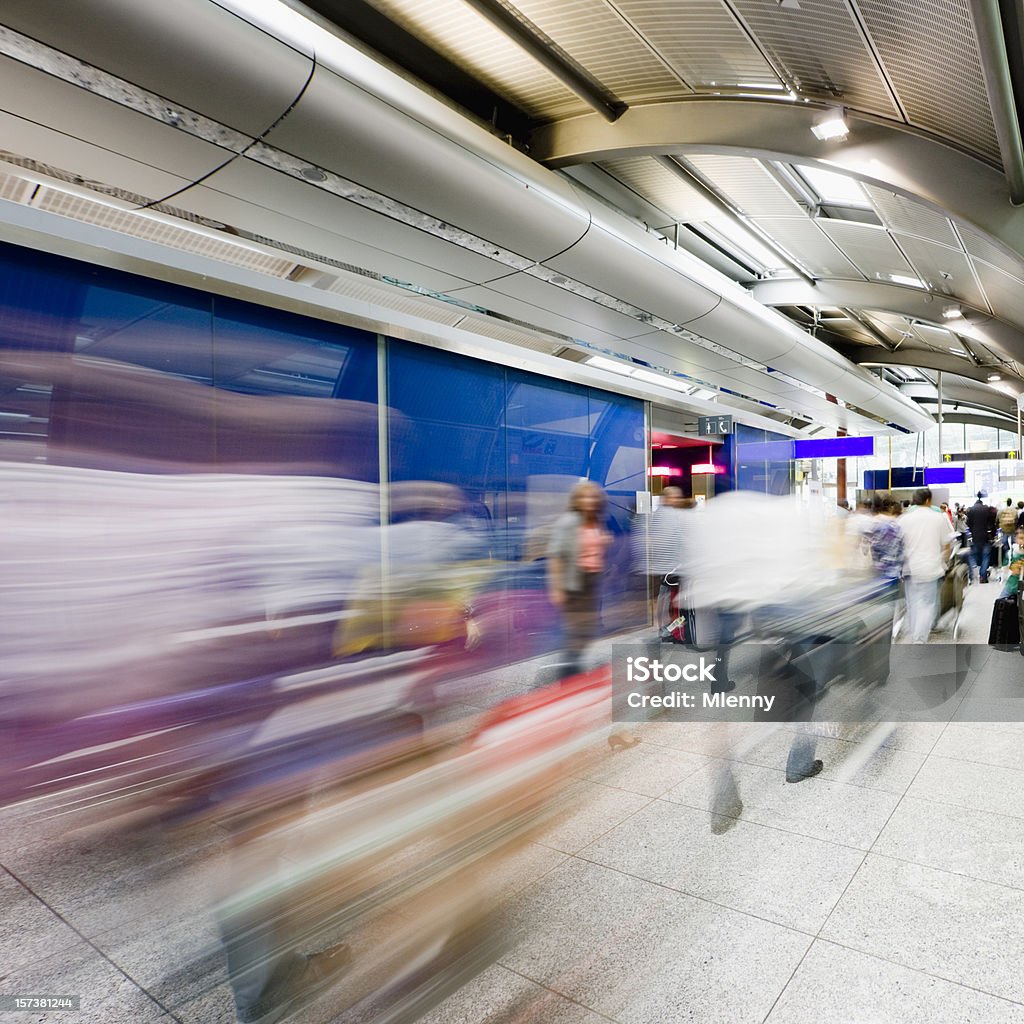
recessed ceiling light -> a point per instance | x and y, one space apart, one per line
952 311
831 125
911 282
993 377
609 364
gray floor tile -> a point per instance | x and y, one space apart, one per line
646 769
966 784
1000 714
587 810
785 878
835 985
982 745
712 739
919 737
29 930
173 962
643 954
960 929
975 843
100 883
108 997
848 815
498 996
887 768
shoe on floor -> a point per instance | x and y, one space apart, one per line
320 972
815 769
725 687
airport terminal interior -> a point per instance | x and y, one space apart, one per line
512 511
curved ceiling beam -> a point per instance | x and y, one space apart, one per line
884 153
995 66
892 298
995 402
980 421
925 359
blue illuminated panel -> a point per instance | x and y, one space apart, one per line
945 475
765 451
833 447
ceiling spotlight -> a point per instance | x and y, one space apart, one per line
993 377
831 125
952 311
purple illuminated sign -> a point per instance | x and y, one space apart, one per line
833 447
944 475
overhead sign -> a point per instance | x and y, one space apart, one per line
708 425
806 448
1010 453
832 447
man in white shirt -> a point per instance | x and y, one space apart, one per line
926 543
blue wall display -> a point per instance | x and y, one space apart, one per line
108 370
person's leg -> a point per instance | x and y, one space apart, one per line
728 630
915 612
930 606
986 554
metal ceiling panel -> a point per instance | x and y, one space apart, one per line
982 247
650 281
701 40
33 98
235 73
822 49
916 40
65 157
658 185
533 302
747 184
946 271
467 39
243 210
1005 293
680 356
340 128
869 247
603 43
913 218
800 237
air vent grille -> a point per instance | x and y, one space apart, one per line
151 229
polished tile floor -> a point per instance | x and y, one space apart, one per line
888 889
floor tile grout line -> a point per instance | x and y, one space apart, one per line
918 970
947 871
899 803
696 896
824 778
789 980
555 991
53 910
761 824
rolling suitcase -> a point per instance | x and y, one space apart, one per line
1004 633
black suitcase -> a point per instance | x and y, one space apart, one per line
1004 633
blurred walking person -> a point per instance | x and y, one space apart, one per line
576 560
981 521
926 539
665 553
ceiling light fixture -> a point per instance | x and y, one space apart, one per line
831 125
952 311
906 279
993 377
